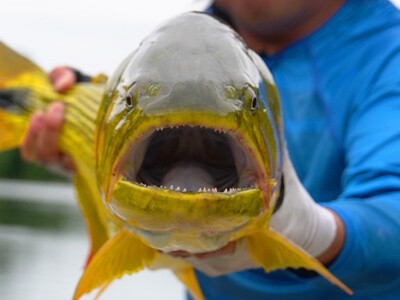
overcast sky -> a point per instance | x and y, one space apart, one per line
91 35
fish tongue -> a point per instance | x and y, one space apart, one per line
188 176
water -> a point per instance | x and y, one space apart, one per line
43 246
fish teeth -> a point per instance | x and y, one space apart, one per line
232 190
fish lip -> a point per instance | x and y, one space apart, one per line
231 134
183 213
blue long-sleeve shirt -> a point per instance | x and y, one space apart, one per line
340 93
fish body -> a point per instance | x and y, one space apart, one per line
180 150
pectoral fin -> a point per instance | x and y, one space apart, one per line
124 254
272 251
188 278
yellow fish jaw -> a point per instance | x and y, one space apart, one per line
192 221
225 140
182 217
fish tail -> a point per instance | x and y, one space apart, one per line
20 80
272 251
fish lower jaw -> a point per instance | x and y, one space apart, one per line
191 242
213 190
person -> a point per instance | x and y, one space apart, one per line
336 64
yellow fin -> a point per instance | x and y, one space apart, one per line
20 79
13 65
93 210
272 251
188 278
124 254
12 128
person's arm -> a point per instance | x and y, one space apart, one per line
370 203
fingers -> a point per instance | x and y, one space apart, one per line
28 147
67 162
228 249
234 257
47 142
62 78
42 138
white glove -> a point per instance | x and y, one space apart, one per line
299 218
236 261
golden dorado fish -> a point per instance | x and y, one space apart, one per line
180 151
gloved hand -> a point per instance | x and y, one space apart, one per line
299 218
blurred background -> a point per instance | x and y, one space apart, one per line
43 242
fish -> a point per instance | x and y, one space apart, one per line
181 149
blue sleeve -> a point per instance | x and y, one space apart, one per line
370 203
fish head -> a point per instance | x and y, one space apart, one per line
189 146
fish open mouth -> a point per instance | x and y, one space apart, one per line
190 159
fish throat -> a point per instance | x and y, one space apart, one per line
190 159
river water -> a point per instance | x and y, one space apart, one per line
43 246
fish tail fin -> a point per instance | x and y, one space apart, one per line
19 78
272 251
124 254
18 71
188 277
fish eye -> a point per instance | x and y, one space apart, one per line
254 102
131 95
250 97
129 100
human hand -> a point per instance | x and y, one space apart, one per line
62 78
309 225
41 140
234 257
